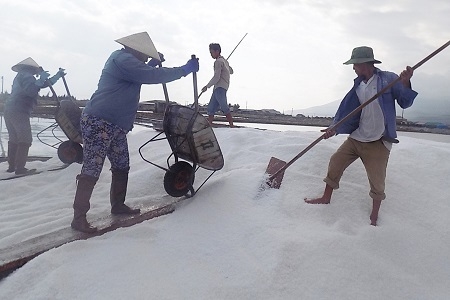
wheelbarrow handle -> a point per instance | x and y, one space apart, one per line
166 94
65 85
194 79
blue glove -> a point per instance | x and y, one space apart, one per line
191 66
57 76
43 76
62 72
154 62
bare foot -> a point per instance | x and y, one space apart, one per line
325 199
374 213
321 200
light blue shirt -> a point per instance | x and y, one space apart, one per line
24 93
117 96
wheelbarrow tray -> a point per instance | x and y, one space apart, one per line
68 117
191 137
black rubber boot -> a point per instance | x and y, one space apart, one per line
21 159
81 203
12 150
118 192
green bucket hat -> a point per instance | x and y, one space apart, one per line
362 55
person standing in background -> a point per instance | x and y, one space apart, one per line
18 109
108 117
221 83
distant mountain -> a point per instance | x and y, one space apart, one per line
424 110
326 110
421 111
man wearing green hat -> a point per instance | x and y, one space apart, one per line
372 131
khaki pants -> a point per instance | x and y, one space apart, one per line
374 156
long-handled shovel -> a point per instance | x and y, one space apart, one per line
276 167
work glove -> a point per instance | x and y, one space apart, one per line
191 66
62 72
154 62
43 76
57 76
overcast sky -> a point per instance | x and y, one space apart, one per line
291 58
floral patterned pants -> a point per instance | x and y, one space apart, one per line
103 139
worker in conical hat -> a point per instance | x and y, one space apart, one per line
110 114
18 108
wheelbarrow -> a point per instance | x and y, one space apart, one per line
193 144
67 118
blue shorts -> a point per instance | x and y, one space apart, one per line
103 139
218 100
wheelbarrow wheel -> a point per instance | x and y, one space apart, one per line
70 152
179 178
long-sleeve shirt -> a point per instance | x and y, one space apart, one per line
117 96
403 95
24 93
222 71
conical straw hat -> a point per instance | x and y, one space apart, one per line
140 42
26 62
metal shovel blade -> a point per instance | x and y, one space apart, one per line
275 165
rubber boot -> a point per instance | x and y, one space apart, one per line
12 150
210 119
81 203
118 193
229 119
21 159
